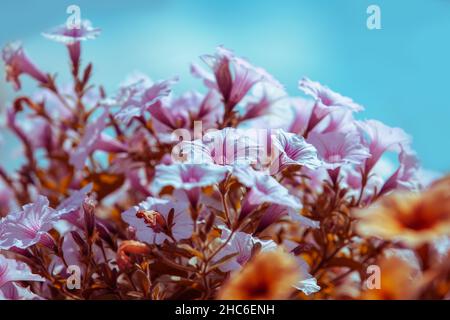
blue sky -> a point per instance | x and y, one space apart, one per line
399 73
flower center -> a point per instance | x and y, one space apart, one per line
334 158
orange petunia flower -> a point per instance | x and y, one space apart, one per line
412 218
268 276
399 280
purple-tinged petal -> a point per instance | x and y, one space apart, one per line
263 188
187 176
25 228
302 110
325 97
69 36
12 270
336 149
233 76
276 211
380 138
88 143
137 94
291 149
69 208
406 176
12 291
17 63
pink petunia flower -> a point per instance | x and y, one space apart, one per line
181 112
336 149
150 220
17 63
187 176
339 121
233 76
291 149
228 146
406 177
28 227
13 270
92 140
72 36
139 94
300 112
69 208
264 98
380 138
242 244
276 211
326 97
39 132
326 101
12 291
263 188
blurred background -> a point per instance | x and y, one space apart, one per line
399 73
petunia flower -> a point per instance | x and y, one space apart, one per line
300 111
276 211
181 112
88 142
380 138
139 94
264 98
188 177
13 270
12 291
69 208
228 146
408 217
39 132
242 244
93 139
339 121
325 97
17 63
336 149
399 280
406 177
28 227
151 217
262 188
291 149
174 113
233 76
72 36
270 275
326 101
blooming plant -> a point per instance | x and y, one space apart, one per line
242 192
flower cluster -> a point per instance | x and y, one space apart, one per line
239 192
